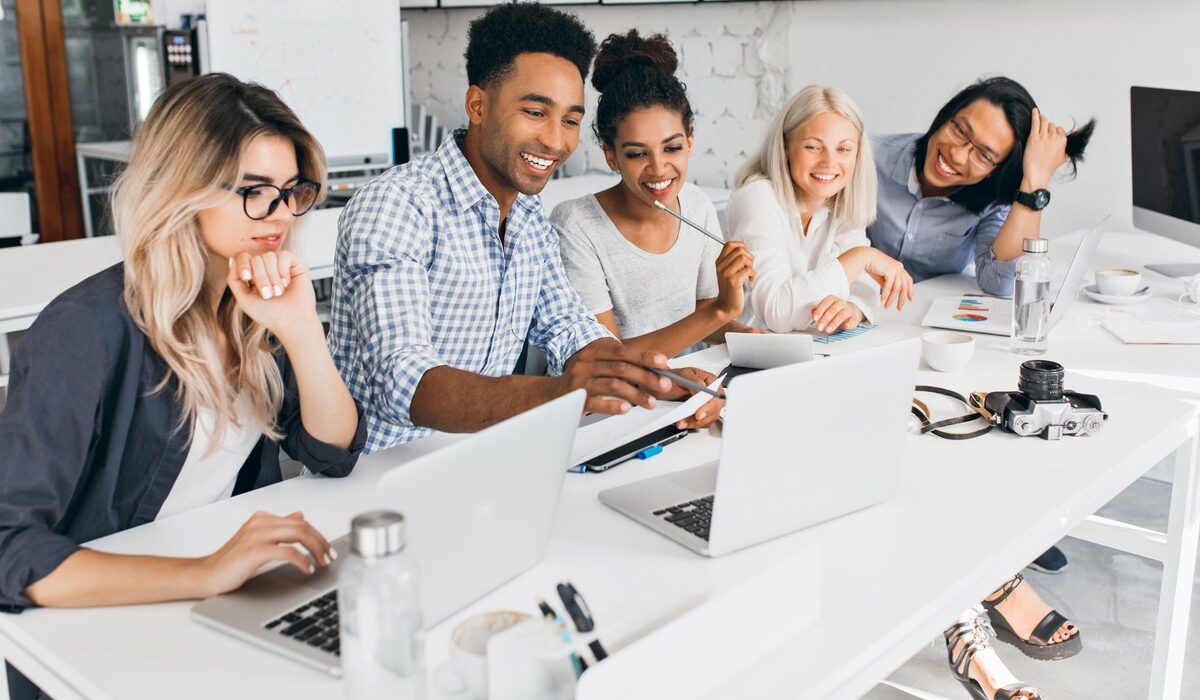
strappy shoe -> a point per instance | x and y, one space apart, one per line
1038 646
973 634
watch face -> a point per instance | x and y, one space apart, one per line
1041 198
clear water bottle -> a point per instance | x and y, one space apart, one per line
1031 298
382 642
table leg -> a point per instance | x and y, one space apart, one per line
84 189
1174 603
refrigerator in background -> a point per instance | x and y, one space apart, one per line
142 47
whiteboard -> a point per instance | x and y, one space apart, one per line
336 63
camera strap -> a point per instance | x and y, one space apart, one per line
975 403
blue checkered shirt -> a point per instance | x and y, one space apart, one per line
422 279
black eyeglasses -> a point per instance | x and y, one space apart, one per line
976 155
258 202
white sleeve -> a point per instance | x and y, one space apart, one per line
850 238
784 302
863 292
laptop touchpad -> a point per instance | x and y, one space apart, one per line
702 480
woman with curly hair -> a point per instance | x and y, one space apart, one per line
648 278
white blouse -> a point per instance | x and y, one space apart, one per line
793 270
208 476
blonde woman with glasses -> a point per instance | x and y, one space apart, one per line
802 205
173 380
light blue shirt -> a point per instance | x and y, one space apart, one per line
933 235
422 279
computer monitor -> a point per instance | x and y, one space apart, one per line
1165 137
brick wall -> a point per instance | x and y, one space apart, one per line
732 60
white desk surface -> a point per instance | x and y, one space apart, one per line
864 592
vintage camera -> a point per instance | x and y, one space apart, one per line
1041 407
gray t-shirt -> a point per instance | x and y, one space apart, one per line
646 291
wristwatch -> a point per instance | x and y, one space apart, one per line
1036 200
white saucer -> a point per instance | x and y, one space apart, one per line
1117 299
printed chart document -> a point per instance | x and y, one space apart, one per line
597 437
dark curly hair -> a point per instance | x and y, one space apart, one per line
1002 184
496 39
634 72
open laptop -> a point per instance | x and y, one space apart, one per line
799 446
979 313
477 514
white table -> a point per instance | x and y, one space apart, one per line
866 591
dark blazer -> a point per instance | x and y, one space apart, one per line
88 448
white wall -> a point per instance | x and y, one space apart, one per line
899 59
167 12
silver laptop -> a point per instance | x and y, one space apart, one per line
768 350
978 313
477 512
800 430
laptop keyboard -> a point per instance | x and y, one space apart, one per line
315 623
693 516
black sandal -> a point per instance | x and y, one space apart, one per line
975 633
1038 645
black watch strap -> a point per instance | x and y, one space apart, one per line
1035 200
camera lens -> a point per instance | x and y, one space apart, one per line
1041 380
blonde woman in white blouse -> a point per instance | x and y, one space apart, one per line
802 207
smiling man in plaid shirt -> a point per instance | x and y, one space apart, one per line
447 264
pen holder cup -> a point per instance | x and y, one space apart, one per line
531 661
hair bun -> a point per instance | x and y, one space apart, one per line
621 52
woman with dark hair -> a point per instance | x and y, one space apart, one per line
973 186
648 278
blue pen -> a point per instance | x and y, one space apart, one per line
650 451
552 616
566 637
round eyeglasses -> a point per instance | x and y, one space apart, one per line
977 156
261 201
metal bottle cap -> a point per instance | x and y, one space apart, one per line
377 533
1036 245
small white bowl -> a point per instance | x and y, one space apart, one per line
1118 281
947 351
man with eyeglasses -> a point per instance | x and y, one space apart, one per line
446 265
972 187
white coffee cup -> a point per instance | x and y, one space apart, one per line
468 647
530 661
1118 281
947 351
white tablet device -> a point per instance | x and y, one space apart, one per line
767 351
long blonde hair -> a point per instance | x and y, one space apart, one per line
186 156
854 206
